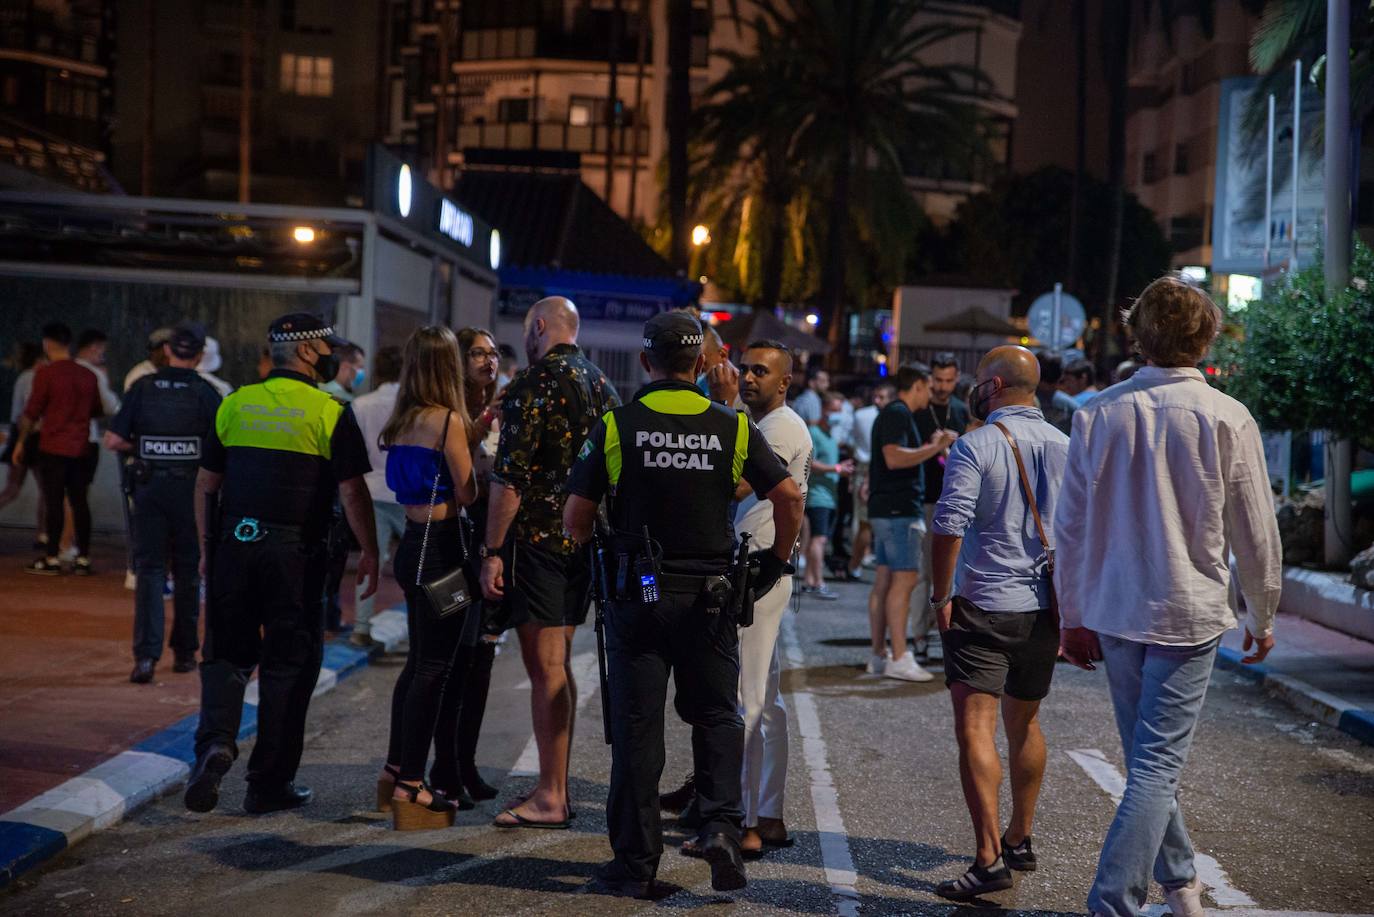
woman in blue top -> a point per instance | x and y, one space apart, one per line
426 436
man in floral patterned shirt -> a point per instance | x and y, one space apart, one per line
526 557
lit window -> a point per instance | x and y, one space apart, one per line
307 76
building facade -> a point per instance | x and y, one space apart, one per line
313 99
1176 73
55 93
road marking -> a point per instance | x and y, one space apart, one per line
588 679
1346 759
835 854
1095 764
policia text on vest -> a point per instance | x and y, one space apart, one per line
669 464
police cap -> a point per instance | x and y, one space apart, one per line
302 326
188 339
670 331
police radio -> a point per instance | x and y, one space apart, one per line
647 572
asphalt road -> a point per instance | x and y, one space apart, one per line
1282 808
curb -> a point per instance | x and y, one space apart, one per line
1321 706
42 828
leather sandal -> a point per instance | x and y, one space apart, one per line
412 815
386 788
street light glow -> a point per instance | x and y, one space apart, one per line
813 319
303 234
700 235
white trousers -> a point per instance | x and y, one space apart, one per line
764 777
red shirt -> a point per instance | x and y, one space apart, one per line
65 397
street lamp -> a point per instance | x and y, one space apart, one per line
701 235
303 234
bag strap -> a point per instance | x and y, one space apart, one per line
433 496
1028 492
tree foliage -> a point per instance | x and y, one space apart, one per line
1017 235
1302 361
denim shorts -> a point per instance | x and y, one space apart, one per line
897 542
822 519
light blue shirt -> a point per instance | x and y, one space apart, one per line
1002 566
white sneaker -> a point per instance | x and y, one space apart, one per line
876 664
906 669
1186 901
68 554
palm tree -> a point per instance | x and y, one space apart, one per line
863 110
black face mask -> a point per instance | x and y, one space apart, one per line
326 366
977 403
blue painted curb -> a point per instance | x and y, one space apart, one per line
1354 722
112 790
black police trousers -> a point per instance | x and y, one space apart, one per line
644 644
164 523
264 611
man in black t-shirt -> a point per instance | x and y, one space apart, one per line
895 513
944 412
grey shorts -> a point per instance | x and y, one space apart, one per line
1008 652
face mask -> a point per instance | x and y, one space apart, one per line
978 402
835 420
358 378
326 366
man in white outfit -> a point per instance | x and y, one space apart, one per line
765 377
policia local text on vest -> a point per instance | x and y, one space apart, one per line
278 452
669 464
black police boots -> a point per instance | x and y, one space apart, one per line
202 788
727 862
262 800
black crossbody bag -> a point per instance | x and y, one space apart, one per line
450 592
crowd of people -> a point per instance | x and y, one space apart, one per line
990 502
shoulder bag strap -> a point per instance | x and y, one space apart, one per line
433 495
1029 493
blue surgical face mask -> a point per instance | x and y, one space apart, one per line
358 378
835 420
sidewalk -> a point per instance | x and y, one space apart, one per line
1326 673
65 696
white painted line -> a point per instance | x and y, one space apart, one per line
835 854
1346 759
588 685
1095 764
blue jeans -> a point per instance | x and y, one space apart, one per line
391 521
1157 693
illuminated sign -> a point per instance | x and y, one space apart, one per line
454 223
494 250
404 191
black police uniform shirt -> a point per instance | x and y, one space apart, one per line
676 474
952 416
894 493
167 416
286 487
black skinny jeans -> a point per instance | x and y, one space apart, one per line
461 711
60 478
433 647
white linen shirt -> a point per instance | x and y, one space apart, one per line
372 412
1166 478
864 419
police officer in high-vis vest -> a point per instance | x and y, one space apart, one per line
669 464
272 464
161 426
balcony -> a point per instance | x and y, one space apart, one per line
550 135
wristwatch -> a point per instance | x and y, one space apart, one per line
484 552
937 604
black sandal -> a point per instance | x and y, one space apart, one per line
413 815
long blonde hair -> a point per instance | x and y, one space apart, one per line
431 377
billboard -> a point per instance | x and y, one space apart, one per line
1238 227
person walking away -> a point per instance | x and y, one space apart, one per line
864 418
464 701
545 417
895 513
991 575
27 359
162 427
678 621
1053 401
429 467
945 412
826 471
64 400
1185 464
91 345
372 411
766 377
274 483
